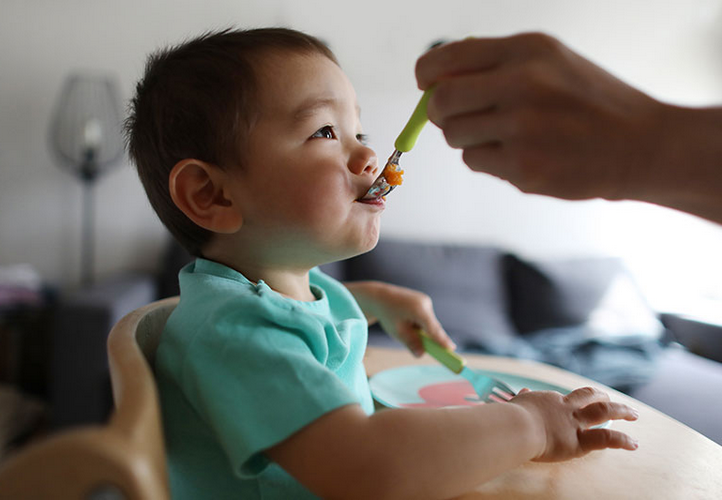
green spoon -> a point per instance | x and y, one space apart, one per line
404 143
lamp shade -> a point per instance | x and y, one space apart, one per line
86 138
86 127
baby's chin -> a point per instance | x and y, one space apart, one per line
366 245
369 241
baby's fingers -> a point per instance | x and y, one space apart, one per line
408 334
601 411
586 395
434 330
599 439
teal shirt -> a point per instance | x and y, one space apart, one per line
240 368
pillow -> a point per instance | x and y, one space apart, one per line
598 292
464 282
556 293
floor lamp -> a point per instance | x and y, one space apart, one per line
86 137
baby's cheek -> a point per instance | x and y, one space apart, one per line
319 212
315 217
322 205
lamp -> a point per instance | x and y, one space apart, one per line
86 137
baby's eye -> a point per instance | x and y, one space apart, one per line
325 132
363 139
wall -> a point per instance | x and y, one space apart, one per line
666 48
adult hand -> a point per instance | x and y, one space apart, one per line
531 111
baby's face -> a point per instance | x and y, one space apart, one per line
307 165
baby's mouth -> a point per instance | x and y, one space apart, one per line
379 201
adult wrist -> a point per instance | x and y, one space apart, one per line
646 165
686 173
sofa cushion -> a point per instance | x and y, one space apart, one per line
557 293
464 283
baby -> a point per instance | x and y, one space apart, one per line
251 151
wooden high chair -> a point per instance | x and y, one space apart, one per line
122 460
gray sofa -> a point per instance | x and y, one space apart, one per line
585 315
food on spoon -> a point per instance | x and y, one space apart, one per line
390 177
393 174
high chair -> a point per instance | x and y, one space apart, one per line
121 460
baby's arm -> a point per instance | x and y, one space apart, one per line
401 312
432 453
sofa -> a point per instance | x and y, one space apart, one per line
584 314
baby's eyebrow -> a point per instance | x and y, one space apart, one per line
310 106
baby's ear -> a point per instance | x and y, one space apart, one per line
199 190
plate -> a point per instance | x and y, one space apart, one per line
434 386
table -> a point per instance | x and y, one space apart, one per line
672 461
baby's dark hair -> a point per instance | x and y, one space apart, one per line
197 100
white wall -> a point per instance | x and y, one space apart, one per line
671 49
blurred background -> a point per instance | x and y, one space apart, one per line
667 48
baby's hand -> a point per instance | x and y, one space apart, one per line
401 312
563 422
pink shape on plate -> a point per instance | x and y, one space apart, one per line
456 393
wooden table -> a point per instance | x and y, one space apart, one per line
672 462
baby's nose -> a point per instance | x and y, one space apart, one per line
365 163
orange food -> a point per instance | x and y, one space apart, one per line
393 175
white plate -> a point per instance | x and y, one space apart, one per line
434 386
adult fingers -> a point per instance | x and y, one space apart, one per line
464 56
489 158
477 129
467 94
475 55
601 411
599 439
